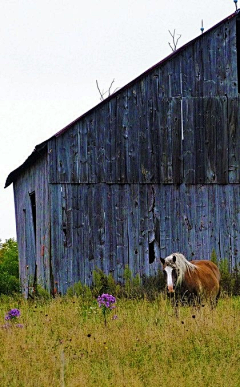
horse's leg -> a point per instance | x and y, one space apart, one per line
214 301
218 295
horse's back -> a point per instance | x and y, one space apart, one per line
208 276
208 265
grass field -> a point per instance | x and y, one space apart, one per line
64 342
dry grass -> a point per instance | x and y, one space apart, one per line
64 343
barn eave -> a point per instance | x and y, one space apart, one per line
39 151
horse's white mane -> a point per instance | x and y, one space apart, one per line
181 263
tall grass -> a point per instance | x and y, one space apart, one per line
64 342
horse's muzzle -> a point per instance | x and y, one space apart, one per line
170 289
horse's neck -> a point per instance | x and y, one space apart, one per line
186 269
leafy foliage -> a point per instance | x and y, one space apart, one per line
9 271
214 257
230 279
133 287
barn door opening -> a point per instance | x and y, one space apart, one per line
33 208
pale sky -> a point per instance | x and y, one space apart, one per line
53 51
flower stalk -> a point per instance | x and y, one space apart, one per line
107 303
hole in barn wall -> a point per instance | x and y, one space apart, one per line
151 253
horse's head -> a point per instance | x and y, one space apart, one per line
171 271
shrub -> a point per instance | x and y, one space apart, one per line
79 290
153 285
132 285
214 257
230 279
103 283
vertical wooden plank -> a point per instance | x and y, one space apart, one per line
111 135
108 198
189 76
222 140
97 225
153 210
210 52
76 237
150 226
83 225
153 128
133 134
113 237
166 141
133 229
229 220
175 76
230 59
234 141
91 233
188 210
92 150
143 229
73 154
176 141
201 222
83 151
199 141
223 234
57 256
235 210
165 221
100 128
210 140
199 69
143 133
120 228
212 223
188 146
86 199
122 137
52 161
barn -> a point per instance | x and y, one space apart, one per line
154 168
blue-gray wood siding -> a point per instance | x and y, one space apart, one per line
109 226
34 251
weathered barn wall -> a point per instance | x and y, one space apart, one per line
195 141
33 242
109 226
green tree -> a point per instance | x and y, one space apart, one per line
9 270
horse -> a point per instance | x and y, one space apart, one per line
193 280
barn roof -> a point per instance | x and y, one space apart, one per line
40 149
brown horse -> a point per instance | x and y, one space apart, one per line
196 280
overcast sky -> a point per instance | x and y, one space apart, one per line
53 51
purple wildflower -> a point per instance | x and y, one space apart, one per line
107 301
12 314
